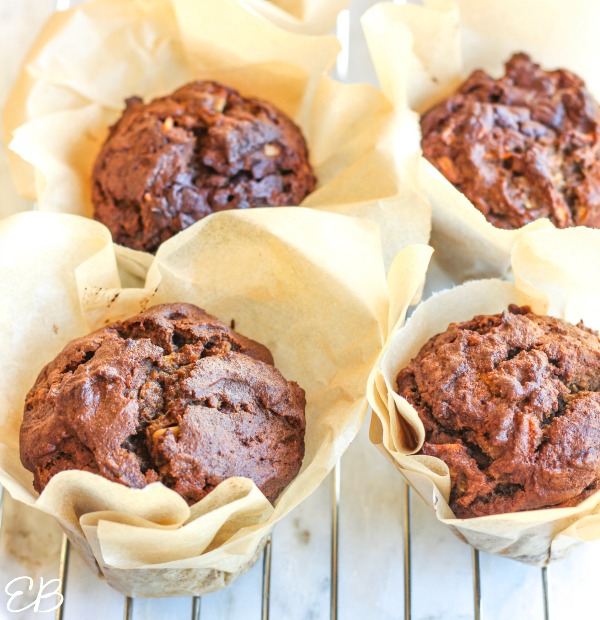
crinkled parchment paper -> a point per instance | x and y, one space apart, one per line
556 273
304 16
317 300
88 60
422 53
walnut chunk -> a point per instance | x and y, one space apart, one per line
219 104
271 150
175 430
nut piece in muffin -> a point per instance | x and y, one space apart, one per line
170 395
170 162
522 147
511 403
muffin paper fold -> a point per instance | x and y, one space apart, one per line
556 273
304 16
88 60
423 53
317 300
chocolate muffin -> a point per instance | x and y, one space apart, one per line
511 403
205 148
522 147
171 395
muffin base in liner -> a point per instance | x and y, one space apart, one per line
177 581
365 155
556 273
423 53
317 301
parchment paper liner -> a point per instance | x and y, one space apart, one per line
422 53
364 154
556 273
304 16
318 301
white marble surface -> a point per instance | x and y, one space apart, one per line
371 545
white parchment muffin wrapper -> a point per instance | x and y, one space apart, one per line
556 273
314 17
423 53
89 59
317 300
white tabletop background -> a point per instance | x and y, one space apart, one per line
371 541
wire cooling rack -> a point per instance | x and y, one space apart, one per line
196 602
405 521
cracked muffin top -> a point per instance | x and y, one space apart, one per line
170 162
171 395
522 147
511 403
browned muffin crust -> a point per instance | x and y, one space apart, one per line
522 147
511 403
170 162
171 395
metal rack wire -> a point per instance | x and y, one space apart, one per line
128 603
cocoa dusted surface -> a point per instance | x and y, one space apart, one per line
523 147
171 395
511 403
170 162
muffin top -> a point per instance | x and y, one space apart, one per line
171 395
170 162
522 147
511 403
